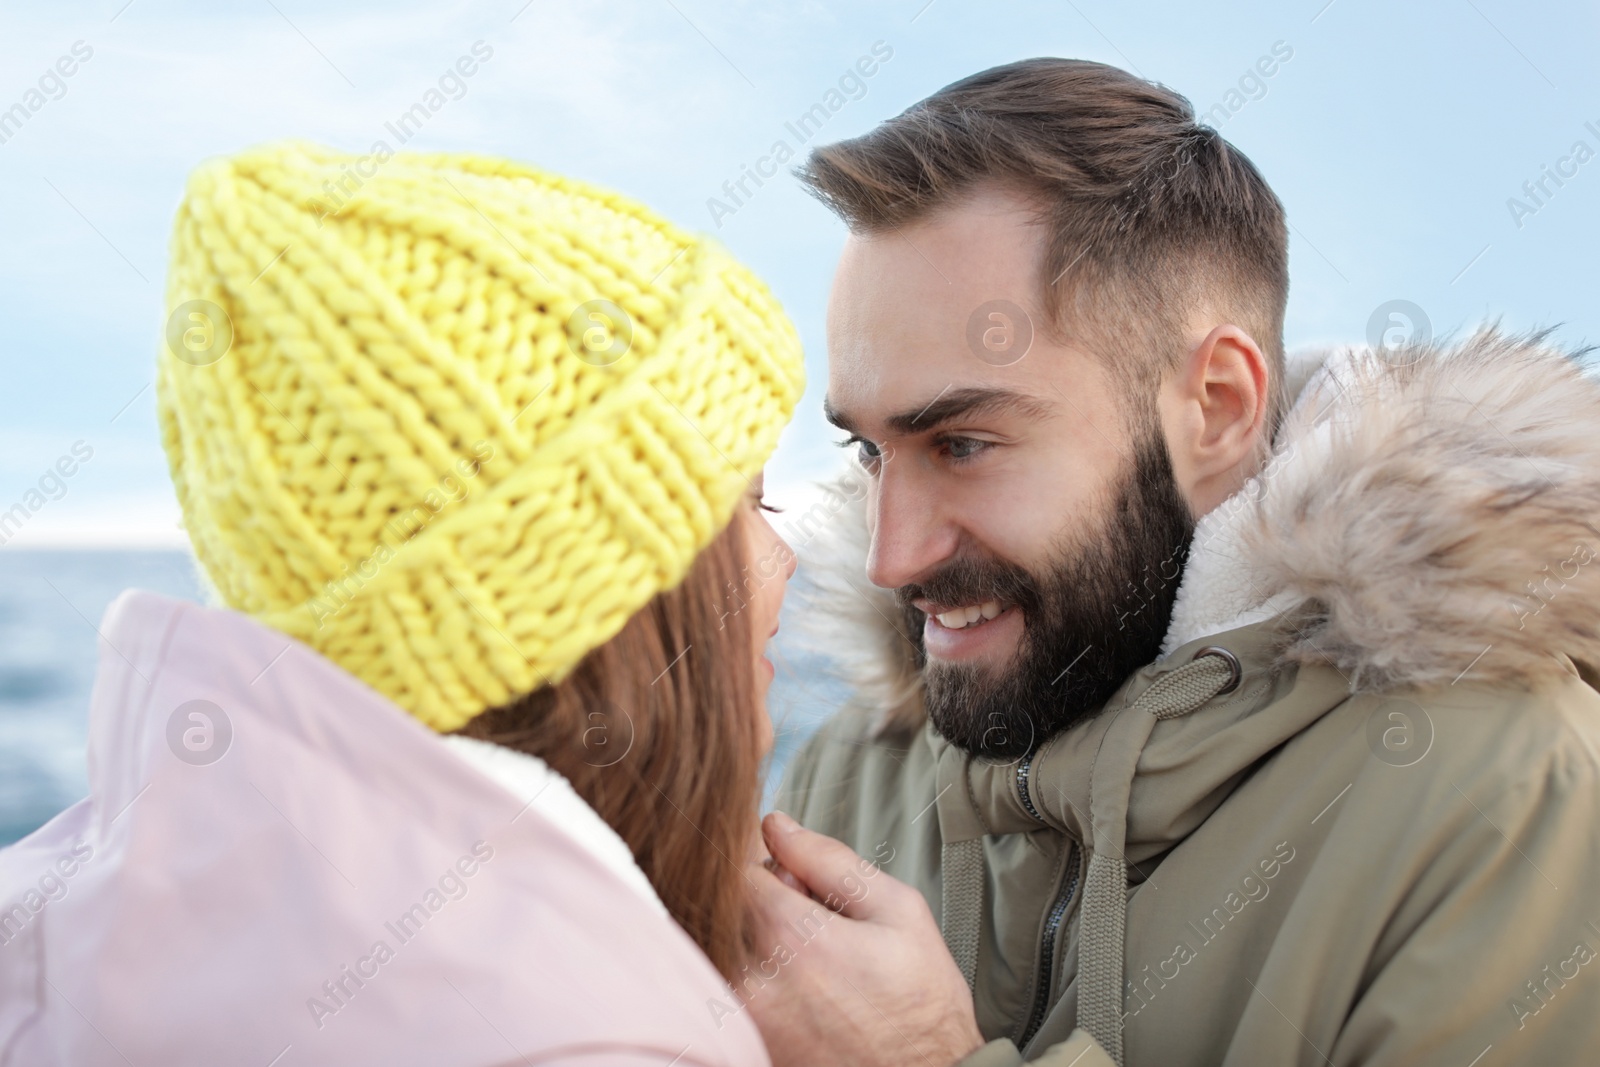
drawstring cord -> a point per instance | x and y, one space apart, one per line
962 910
1213 671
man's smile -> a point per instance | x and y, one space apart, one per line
968 631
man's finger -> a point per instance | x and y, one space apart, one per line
832 872
781 913
785 875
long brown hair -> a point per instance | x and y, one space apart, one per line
659 731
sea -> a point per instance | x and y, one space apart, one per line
51 603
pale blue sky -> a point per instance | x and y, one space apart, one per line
1395 137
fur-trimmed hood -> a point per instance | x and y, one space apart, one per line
1430 513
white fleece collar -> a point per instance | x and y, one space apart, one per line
1220 589
534 782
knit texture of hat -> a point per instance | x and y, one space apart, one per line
449 420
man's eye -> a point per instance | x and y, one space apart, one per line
963 447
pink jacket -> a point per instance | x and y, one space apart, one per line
309 876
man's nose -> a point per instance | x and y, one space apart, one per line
909 533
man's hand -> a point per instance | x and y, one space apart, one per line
854 973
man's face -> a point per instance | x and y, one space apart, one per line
1032 533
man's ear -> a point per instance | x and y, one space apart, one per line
1215 410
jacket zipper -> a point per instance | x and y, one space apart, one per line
1052 923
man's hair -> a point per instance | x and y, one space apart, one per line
1149 215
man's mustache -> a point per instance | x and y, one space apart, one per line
969 580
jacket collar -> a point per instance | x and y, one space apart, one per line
1187 768
540 786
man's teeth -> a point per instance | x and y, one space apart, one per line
971 615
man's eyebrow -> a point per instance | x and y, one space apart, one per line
837 417
968 403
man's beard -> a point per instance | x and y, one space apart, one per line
1098 615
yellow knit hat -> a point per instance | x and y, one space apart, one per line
449 420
